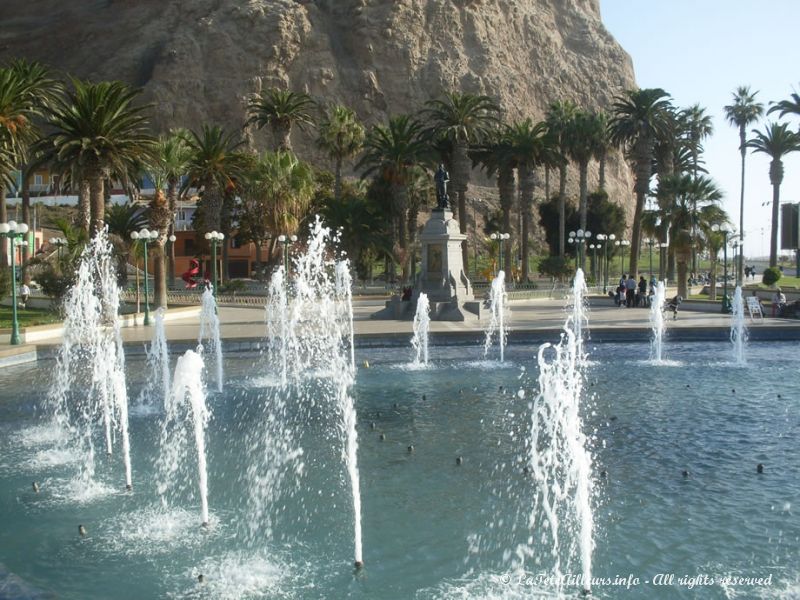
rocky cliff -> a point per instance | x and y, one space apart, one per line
199 60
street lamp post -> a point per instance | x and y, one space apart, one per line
14 231
650 242
58 243
171 239
609 241
500 238
215 239
662 260
579 238
622 244
286 240
726 301
146 236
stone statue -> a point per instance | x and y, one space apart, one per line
441 178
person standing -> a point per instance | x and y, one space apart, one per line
630 289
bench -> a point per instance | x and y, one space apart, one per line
754 307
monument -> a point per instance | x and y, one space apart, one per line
441 277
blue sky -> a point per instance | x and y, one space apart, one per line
700 51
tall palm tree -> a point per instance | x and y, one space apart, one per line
465 121
786 107
559 121
214 163
100 133
697 126
639 119
341 135
585 142
741 113
393 152
776 141
281 110
529 148
170 163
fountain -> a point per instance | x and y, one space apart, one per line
738 327
559 458
185 403
422 324
208 338
90 383
159 383
657 323
497 324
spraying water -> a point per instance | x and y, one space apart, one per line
498 308
311 346
209 332
185 409
89 384
422 325
657 323
159 385
738 328
559 458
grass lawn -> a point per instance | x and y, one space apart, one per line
27 317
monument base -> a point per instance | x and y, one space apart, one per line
400 310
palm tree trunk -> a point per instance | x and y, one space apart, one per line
97 202
282 137
3 219
683 275
505 185
562 208
159 275
644 170
671 264
583 168
546 183
212 207
84 205
601 185
224 275
712 293
743 150
527 185
773 238
26 218
337 181
172 200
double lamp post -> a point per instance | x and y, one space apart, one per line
14 232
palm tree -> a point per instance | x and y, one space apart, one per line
786 107
100 134
697 126
213 165
281 110
585 142
744 111
693 206
639 119
464 121
392 152
776 141
341 135
170 163
559 120
529 147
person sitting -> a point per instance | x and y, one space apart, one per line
673 306
24 294
778 303
406 296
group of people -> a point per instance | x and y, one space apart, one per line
630 293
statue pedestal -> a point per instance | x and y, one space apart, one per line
441 278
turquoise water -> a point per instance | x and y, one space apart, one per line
432 528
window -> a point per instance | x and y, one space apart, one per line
37 179
188 247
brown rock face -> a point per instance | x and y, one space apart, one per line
199 60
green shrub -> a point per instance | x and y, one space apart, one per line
233 286
555 266
771 276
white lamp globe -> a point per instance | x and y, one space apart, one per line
134 235
207 236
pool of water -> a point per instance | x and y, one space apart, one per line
433 528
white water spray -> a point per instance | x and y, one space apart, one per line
738 328
499 310
209 336
422 325
185 409
159 385
657 323
90 383
559 458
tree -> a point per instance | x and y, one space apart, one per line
694 207
281 110
744 111
464 120
776 141
170 162
529 148
341 135
559 122
213 165
392 152
639 119
586 141
99 133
